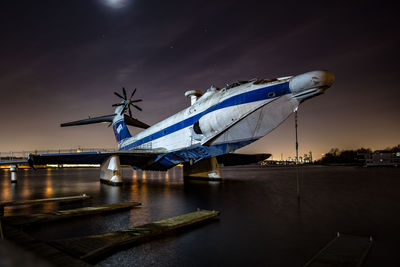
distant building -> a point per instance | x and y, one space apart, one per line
380 158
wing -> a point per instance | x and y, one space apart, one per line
139 159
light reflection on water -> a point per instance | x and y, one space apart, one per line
5 191
48 183
49 186
261 222
140 185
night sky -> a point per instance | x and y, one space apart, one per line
62 60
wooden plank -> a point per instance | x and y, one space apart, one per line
64 214
44 200
41 249
93 248
343 250
12 255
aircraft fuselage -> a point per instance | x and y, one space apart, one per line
224 120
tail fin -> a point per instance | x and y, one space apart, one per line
121 131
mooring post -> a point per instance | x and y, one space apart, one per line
13 170
297 156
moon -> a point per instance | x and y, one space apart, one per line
116 4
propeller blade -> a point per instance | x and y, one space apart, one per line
134 91
130 112
118 95
116 105
137 107
123 89
137 100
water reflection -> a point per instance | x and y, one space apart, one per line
109 194
148 187
5 190
134 176
13 193
49 186
261 201
26 192
48 191
167 175
139 192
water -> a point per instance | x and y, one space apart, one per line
261 221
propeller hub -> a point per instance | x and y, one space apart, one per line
127 102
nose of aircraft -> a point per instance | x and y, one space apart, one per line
319 79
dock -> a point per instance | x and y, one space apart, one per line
83 251
12 229
41 201
40 249
95 247
12 255
23 220
343 250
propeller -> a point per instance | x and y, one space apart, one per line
128 102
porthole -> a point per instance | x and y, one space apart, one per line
271 94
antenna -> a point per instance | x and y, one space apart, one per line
297 155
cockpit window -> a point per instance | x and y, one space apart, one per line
232 85
261 81
238 83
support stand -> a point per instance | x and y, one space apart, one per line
205 169
110 171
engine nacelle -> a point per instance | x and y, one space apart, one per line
215 122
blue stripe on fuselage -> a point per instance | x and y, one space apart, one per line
244 98
200 152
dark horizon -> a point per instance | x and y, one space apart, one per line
62 61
